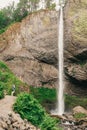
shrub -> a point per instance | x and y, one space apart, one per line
48 96
79 115
72 101
49 123
1 90
29 108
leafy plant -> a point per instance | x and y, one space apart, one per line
49 123
43 94
1 90
72 101
28 107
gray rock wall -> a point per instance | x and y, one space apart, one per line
31 49
75 52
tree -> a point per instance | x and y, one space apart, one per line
4 20
6 17
21 10
49 4
34 4
24 7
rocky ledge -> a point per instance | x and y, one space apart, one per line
76 120
10 122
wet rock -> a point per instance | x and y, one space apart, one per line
72 122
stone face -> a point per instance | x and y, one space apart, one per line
75 44
18 124
79 109
30 49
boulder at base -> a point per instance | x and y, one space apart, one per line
79 109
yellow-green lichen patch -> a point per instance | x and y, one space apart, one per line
46 21
80 24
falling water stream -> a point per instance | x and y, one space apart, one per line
60 105
60 92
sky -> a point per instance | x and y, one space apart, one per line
4 3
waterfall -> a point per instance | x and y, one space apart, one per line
60 91
60 105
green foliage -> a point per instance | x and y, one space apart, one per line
3 20
6 17
7 79
1 90
29 108
12 14
44 95
79 115
49 123
50 4
72 101
19 13
3 30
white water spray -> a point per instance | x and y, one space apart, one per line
60 92
60 105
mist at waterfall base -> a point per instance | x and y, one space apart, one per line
60 96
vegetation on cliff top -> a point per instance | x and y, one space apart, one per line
11 14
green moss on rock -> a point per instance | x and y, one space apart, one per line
73 101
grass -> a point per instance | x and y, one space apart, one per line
45 96
73 101
7 79
80 115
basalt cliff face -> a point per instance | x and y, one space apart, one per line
29 48
75 41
